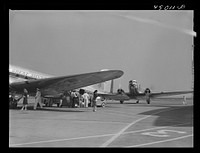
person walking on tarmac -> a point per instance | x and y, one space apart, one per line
38 99
25 100
95 95
86 98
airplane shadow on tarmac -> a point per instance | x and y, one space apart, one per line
178 116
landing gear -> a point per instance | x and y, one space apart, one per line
148 100
121 101
137 101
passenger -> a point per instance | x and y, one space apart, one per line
38 99
60 104
95 95
184 100
81 101
68 99
25 100
86 98
74 97
147 95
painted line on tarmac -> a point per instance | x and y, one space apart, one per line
126 127
150 143
171 126
47 141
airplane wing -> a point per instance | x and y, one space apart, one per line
128 96
57 85
159 94
114 96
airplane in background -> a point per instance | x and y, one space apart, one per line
55 87
134 93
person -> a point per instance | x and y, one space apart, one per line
38 99
25 100
73 97
147 95
81 101
68 99
95 95
86 98
184 100
60 104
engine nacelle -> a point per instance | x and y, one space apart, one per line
120 91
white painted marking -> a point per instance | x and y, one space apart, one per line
161 133
125 128
94 136
60 140
150 143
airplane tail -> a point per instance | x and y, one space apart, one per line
106 86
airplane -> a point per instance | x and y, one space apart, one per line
134 93
54 87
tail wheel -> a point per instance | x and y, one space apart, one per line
121 101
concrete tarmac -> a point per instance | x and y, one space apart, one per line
163 123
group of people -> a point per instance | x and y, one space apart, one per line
81 100
38 99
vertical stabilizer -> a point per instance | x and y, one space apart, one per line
106 86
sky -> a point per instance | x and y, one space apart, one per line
153 47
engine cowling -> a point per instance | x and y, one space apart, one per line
120 91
